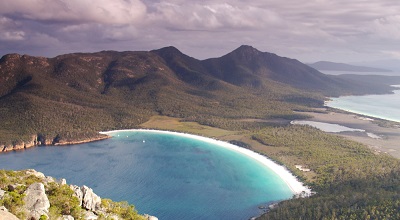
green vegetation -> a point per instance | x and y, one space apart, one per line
61 197
72 97
350 180
63 201
122 209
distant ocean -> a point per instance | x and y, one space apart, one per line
164 175
328 72
378 106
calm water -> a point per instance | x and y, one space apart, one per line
327 127
169 176
379 106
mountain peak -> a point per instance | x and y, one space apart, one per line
244 52
168 50
247 49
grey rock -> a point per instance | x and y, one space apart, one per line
49 179
90 216
149 217
36 201
62 181
90 200
40 175
78 193
67 217
35 173
5 215
2 192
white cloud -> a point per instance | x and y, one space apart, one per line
12 35
79 11
211 16
386 27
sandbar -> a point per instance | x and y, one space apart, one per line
297 187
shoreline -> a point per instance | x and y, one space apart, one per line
297 187
331 100
381 139
34 143
90 140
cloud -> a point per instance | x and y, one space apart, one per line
305 29
386 27
393 54
12 35
76 11
210 16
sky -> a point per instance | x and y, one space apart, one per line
307 30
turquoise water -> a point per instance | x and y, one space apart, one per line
379 106
169 176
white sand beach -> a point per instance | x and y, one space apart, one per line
293 183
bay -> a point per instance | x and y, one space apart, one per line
165 175
379 106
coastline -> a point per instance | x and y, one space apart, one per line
89 140
35 143
381 139
332 100
291 181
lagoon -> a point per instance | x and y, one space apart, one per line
167 175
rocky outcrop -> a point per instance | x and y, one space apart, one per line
37 204
36 201
90 216
149 217
35 173
21 145
7 148
2 193
67 217
78 193
5 215
69 142
87 198
90 200
41 140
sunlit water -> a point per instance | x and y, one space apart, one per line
165 175
378 106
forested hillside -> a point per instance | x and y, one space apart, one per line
71 97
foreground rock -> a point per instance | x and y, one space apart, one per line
6 215
36 201
87 198
32 194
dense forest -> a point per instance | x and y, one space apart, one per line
350 180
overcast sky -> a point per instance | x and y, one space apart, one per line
308 30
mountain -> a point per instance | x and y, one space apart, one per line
331 66
392 64
248 66
69 98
